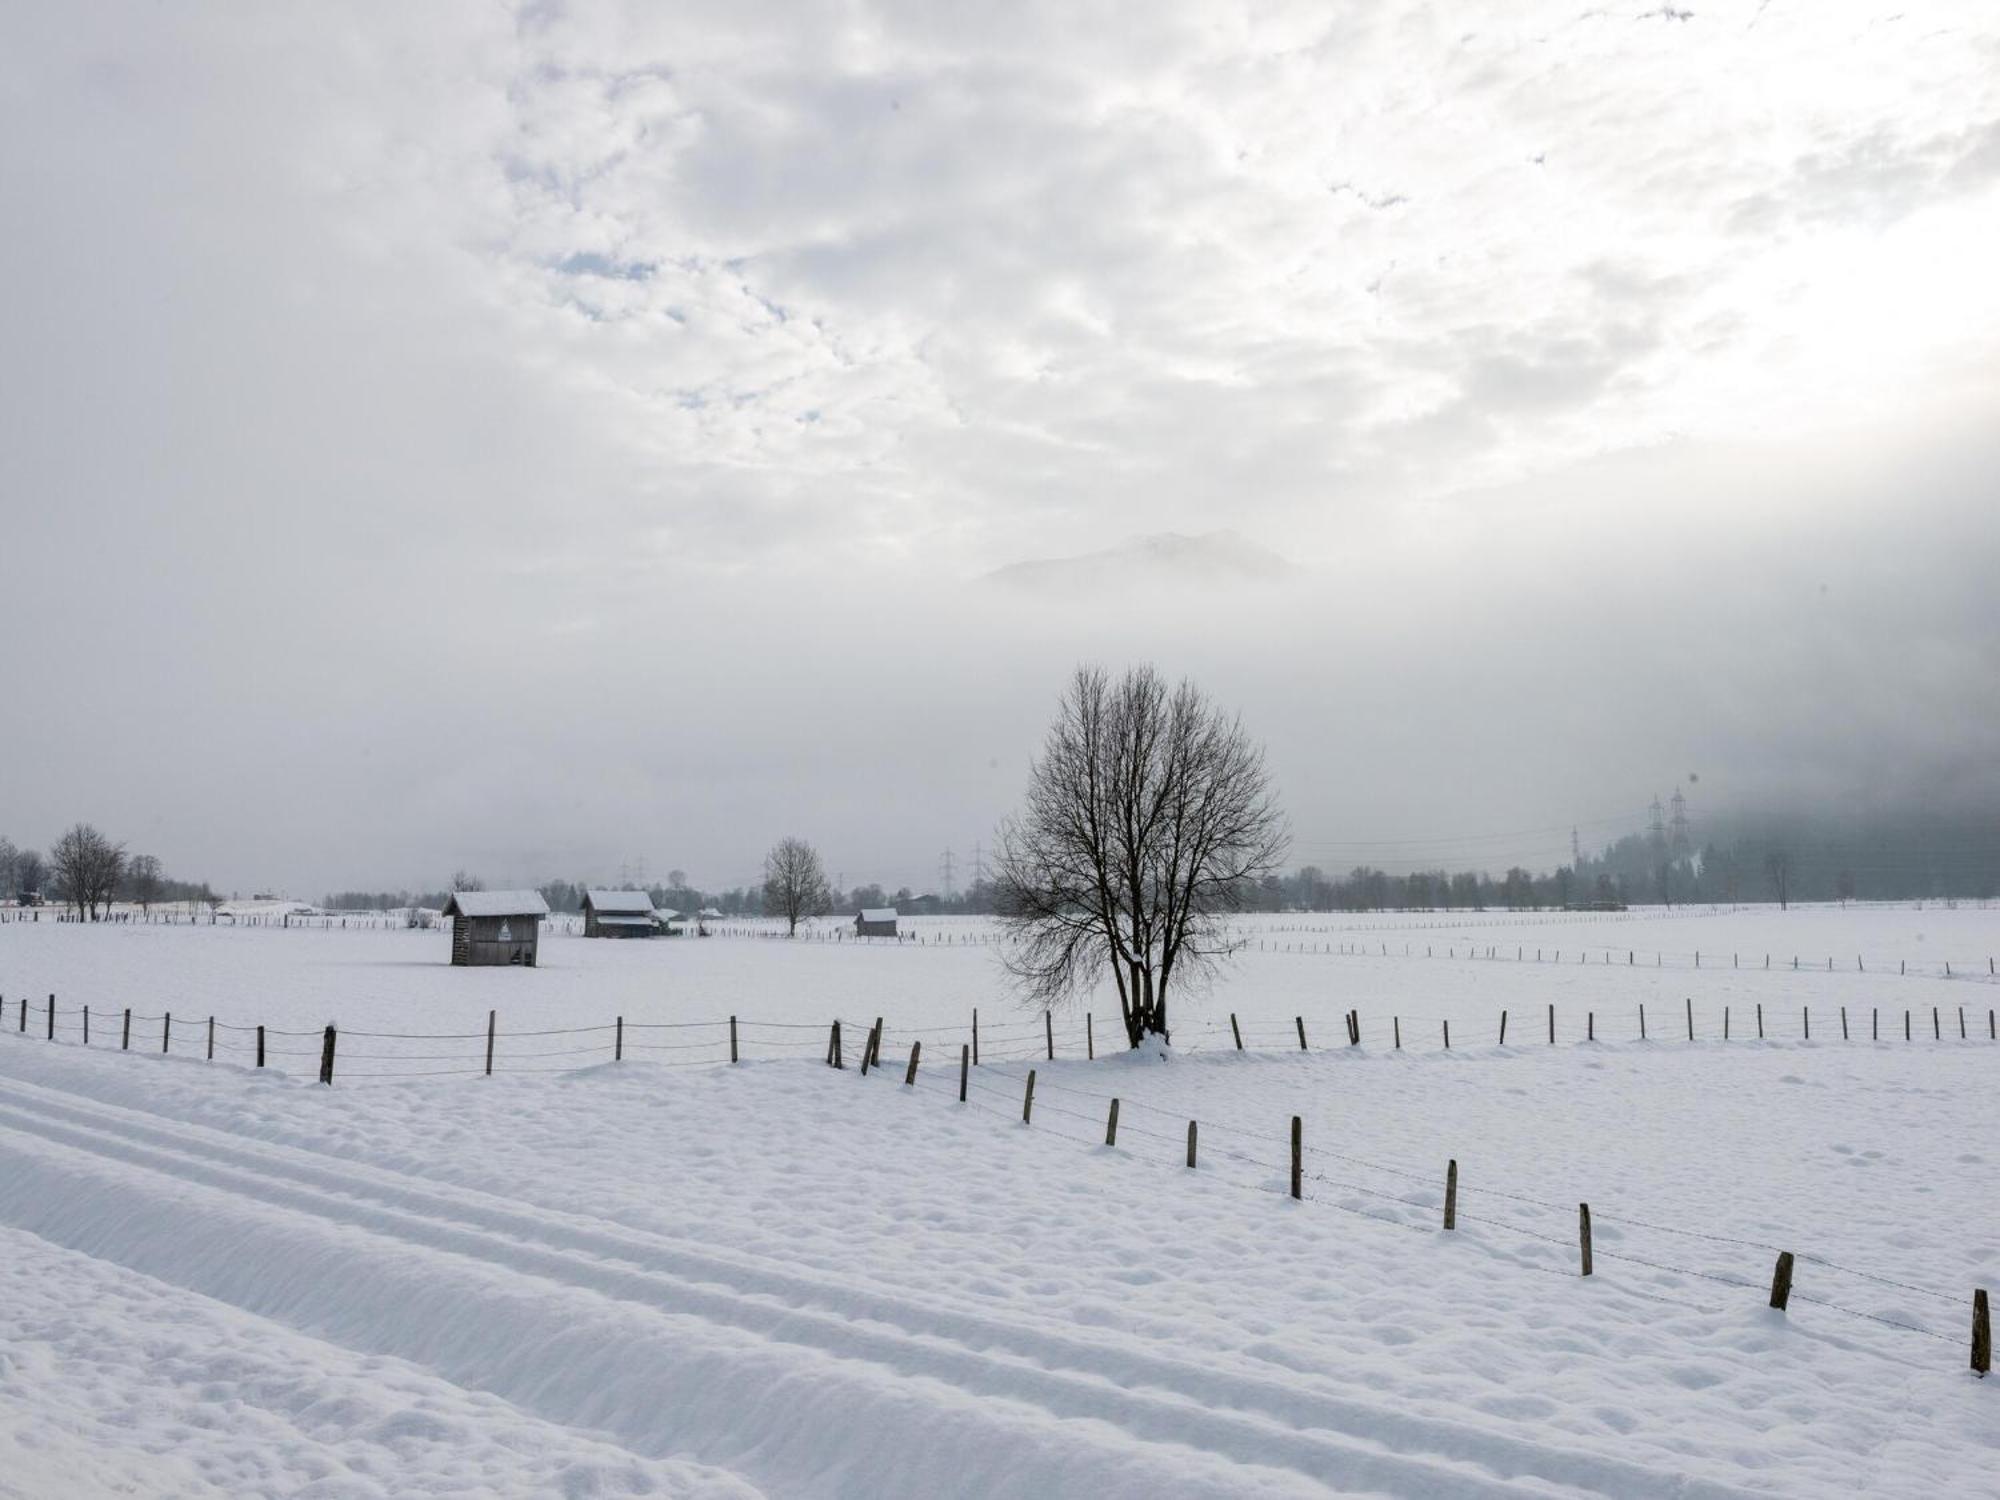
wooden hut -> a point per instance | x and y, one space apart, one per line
495 927
875 921
618 914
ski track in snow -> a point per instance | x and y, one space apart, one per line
733 1331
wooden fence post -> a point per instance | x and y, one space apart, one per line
833 1046
1642 1022
1028 1099
1111 1125
1760 1020
1982 1334
875 1045
1302 1032
1590 1025
910 1076
326 1058
1190 1143
492 1022
1447 1036
260 1046
211 1038
52 1018
1781 1281
1552 1025
1298 1157
618 1041
1236 1031
1690 1008
125 1041
1583 1233
1805 1012
166 1030
1049 1030
86 1026
1089 1037
1451 1194
964 1068
1503 1028
1937 1032
1843 1023
1725 1023
732 1039
1397 1022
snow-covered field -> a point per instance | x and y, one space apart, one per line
640 1278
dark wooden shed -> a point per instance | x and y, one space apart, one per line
875 921
618 914
491 928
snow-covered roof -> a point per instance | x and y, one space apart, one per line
667 914
878 913
709 911
624 921
632 903
496 904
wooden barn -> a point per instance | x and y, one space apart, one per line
875 921
618 914
495 927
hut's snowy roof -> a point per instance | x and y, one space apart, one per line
624 921
878 913
496 904
627 903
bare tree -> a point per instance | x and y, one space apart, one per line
1149 820
794 883
463 880
8 856
87 867
1778 866
30 870
143 879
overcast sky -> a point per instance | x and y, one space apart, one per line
543 438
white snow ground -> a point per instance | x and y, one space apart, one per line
647 1279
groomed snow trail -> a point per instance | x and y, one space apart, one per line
668 1350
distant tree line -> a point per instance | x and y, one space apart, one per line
86 871
1738 859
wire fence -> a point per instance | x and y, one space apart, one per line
1550 1025
1396 1194
1301 939
1532 1231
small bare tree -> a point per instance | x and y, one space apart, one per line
143 879
794 883
1149 820
1778 867
88 867
30 870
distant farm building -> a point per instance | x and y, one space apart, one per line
495 927
875 921
618 914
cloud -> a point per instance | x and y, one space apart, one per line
387 376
